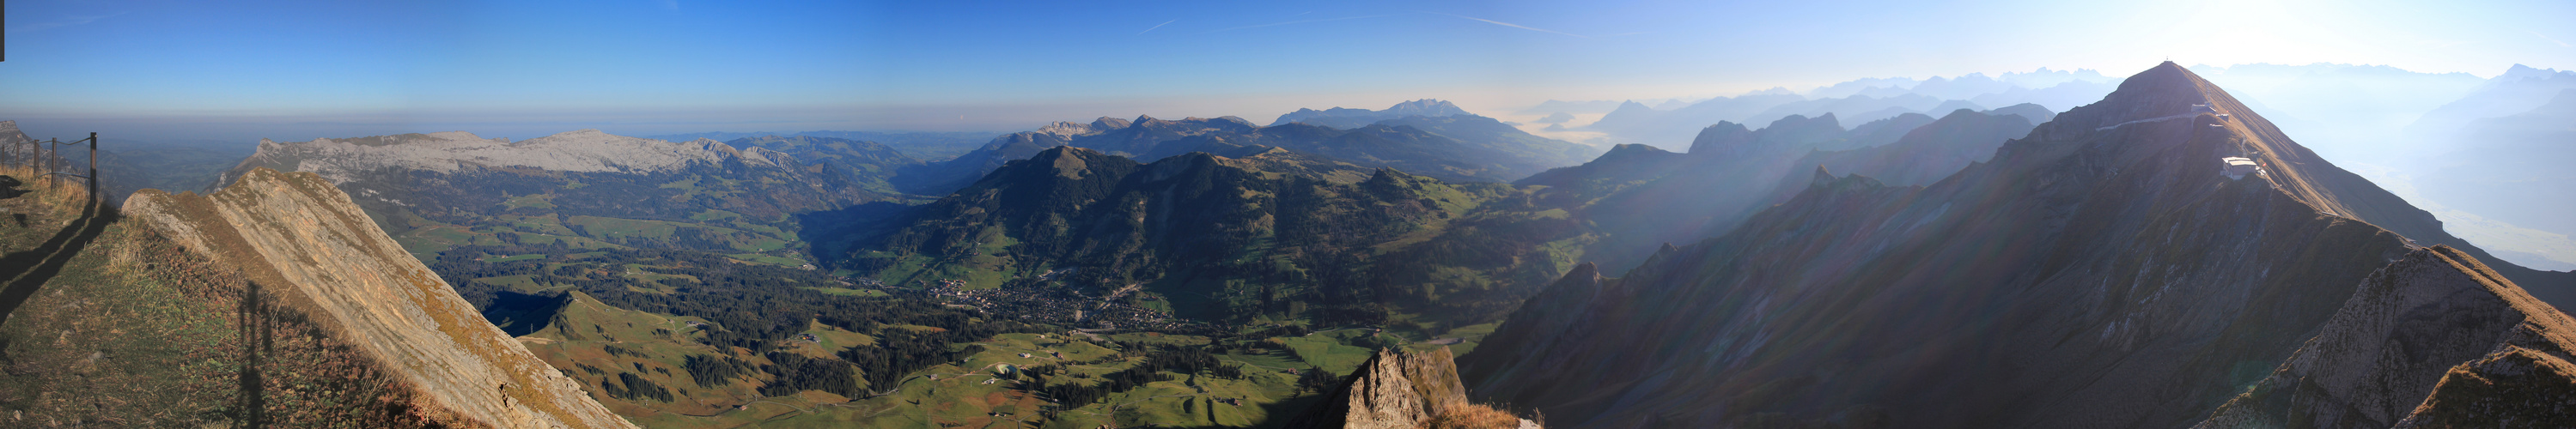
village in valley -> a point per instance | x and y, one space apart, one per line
1062 306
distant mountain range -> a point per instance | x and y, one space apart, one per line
1427 137
2352 113
2520 89
928 146
1348 118
2513 169
1861 100
1639 197
1604 106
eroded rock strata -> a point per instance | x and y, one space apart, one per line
302 239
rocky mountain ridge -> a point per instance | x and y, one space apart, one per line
2098 272
2435 317
301 238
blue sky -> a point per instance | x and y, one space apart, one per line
297 70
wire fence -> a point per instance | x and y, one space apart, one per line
44 158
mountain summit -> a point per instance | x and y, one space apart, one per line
2099 272
2169 92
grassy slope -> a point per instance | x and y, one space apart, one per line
580 338
957 395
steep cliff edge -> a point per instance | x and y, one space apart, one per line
301 238
2436 339
1404 390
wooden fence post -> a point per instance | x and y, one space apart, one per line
93 168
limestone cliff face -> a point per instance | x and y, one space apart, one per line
1402 390
300 237
2435 320
448 152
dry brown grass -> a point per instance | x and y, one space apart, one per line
1471 417
57 197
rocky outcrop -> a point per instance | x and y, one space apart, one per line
2514 387
298 236
1398 390
13 144
2436 317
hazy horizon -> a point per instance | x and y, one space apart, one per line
295 71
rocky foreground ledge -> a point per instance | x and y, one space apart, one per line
297 237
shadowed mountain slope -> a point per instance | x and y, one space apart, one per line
2099 272
1638 197
2339 192
1268 235
1645 124
1923 156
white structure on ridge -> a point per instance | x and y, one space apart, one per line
2238 167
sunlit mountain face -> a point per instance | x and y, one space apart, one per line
679 214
